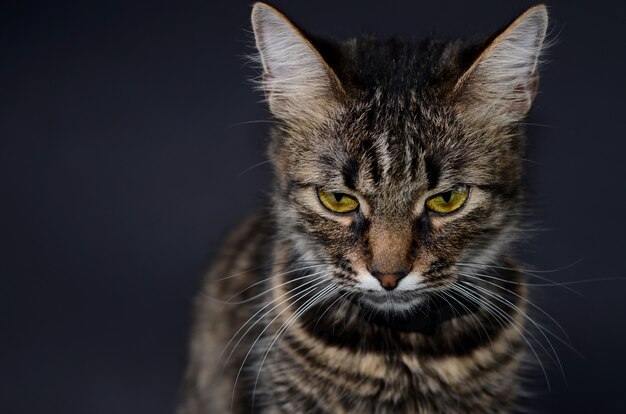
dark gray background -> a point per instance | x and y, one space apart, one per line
123 138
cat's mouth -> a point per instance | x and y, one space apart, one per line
413 293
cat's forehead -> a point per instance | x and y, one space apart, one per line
383 152
399 131
402 117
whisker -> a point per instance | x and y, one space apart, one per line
474 297
524 272
345 294
257 121
253 167
558 269
287 324
525 315
261 317
522 298
229 302
270 265
555 336
477 322
513 282
299 295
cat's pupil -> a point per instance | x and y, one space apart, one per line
338 196
446 196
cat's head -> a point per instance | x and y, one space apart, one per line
398 163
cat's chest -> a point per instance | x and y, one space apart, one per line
340 379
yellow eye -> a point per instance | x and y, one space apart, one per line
448 201
337 202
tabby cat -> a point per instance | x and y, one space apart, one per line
380 279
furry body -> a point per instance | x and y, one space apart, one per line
307 327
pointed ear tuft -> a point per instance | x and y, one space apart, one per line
298 83
500 85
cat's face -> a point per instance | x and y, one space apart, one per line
390 244
397 191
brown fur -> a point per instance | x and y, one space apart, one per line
292 318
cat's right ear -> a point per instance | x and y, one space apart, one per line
298 84
501 84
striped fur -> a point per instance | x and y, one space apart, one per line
291 318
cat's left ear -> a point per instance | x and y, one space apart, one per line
298 83
499 87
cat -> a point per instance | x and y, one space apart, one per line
380 279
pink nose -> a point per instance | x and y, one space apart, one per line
389 281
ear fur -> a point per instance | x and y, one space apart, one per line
500 85
298 83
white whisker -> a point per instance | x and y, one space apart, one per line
475 297
298 296
261 317
301 310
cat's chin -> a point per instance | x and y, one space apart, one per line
392 303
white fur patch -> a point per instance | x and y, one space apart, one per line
411 281
368 282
